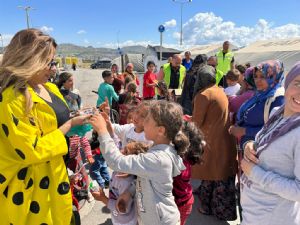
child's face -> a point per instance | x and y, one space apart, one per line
150 128
230 82
69 83
130 117
138 118
109 79
151 68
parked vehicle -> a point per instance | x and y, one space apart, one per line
101 64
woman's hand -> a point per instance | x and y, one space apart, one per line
80 120
247 166
237 131
250 152
77 120
98 123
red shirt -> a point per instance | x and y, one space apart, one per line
149 78
182 188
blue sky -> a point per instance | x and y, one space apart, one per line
101 23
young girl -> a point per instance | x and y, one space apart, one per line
133 131
156 168
150 81
182 188
162 89
119 183
127 100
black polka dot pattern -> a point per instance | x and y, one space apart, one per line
16 121
2 178
22 173
63 188
5 192
44 183
34 207
1 97
5 130
20 153
30 183
35 142
44 224
31 120
18 198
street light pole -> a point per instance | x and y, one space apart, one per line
181 9
2 50
27 9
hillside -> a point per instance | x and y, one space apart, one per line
95 53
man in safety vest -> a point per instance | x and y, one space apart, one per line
174 73
225 59
213 61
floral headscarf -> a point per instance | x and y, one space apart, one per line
272 70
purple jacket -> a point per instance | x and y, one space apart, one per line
236 101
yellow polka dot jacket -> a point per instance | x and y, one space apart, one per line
34 186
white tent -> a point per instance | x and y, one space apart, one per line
286 50
209 50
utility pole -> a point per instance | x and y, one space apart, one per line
181 2
27 9
2 43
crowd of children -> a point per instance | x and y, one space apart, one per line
151 150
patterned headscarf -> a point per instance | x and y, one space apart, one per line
291 123
248 76
272 71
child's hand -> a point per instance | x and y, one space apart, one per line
108 124
100 196
123 201
91 160
98 123
105 106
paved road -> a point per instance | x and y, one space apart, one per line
95 213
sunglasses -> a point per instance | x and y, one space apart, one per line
52 63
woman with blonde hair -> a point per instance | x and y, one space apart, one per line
34 117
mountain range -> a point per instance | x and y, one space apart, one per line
91 53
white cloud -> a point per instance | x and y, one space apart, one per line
205 28
86 41
170 23
6 38
46 29
81 32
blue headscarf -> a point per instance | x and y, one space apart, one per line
291 123
272 71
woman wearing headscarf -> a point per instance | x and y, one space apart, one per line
246 92
271 180
189 82
130 73
217 172
254 113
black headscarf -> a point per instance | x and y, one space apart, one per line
206 77
189 82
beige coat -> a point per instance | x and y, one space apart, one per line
211 115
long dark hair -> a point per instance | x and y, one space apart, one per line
197 143
63 77
169 115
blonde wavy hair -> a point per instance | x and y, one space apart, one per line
28 54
